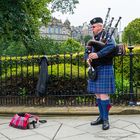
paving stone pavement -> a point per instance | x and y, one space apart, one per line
123 127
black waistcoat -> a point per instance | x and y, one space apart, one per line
106 60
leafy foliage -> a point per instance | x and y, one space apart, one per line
66 69
87 38
15 49
45 46
132 32
72 46
42 46
48 46
20 19
64 6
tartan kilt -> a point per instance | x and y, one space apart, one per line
105 81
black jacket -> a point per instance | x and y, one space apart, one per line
42 83
105 56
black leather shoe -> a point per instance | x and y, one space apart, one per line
97 122
105 125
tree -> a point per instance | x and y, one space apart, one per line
87 38
71 45
64 6
132 31
20 19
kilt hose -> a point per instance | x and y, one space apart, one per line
105 81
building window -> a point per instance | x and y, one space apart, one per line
49 29
59 30
54 28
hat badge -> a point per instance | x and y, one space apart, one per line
94 20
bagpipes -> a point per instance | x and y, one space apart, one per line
105 37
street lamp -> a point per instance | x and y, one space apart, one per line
130 47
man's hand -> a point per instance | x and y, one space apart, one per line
89 62
93 56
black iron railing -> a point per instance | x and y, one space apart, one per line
68 80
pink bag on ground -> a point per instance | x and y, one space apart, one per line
24 121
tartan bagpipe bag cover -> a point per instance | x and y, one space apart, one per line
23 120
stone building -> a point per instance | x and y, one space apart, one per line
56 30
86 29
62 31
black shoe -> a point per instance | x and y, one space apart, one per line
105 125
97 122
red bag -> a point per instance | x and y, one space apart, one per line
24 121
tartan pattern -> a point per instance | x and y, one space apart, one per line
22 122
104 83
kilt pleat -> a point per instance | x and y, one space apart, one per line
105 81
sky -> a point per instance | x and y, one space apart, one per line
88 9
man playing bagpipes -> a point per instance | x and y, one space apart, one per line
102 84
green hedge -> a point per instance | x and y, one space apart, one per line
72 61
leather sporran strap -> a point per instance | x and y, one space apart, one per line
92 73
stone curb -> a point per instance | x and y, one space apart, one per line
58 111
